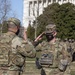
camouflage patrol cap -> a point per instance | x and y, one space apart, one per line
50 28
15 21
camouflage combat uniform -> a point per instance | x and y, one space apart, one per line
70 47
58 51
25 48
72 65
6 67
52 57
13 52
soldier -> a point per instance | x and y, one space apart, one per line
30 67
72 66
14 50
69 43
73 46
53 58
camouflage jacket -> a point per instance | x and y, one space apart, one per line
17 50
23 47
57 49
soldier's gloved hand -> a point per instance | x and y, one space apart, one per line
63 64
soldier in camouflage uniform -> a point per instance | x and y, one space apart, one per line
72 66
14 50
70 47
30 67
52 56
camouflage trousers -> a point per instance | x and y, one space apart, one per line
72 68
30 69
50 71
55 71
7 72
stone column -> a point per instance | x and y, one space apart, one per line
72 1
46 2
33 8
42 6
25 13
51 1
62 1
56 1
29 8
66 1
37 8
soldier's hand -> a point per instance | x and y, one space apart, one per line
40 36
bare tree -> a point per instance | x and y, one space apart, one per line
5 7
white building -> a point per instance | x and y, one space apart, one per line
33 8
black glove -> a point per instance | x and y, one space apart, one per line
37 63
